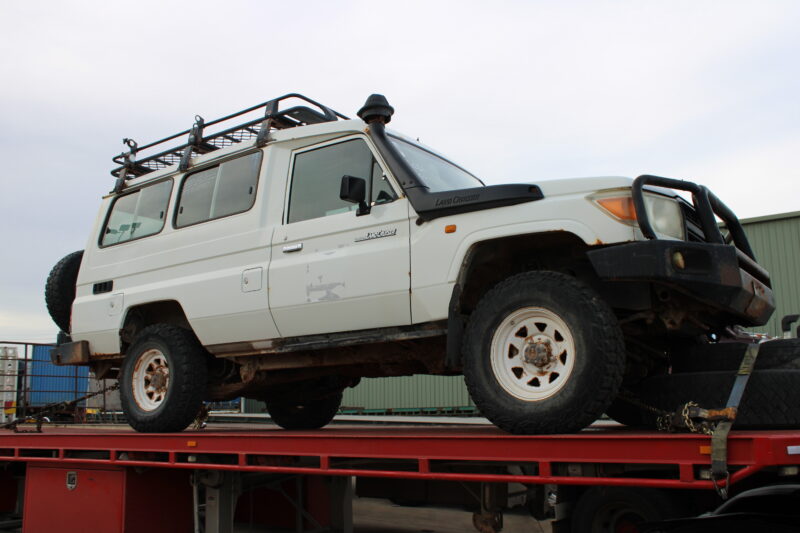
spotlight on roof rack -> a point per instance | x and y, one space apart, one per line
376 109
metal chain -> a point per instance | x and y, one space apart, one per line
52 408
664 420
702 427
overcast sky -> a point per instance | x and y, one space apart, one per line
514 91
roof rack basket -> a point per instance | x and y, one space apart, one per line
198 143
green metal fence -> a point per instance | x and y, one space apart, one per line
776 243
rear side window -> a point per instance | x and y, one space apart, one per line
138 214
220 191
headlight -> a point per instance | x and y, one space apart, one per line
664 213
665 216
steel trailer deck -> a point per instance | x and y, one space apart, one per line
592 457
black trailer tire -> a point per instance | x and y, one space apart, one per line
778 353
304 414
542 353
59 291
163 379
771 398
604 509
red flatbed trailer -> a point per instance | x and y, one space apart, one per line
598 456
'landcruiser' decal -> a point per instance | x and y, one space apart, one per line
455 200
377 234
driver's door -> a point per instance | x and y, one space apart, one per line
331 269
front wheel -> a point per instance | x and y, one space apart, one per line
163 379
543 354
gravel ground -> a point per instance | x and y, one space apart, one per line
382 516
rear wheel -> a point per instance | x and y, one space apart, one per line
542 354
163 380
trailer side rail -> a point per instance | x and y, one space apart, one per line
594 457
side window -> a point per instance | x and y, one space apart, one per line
220 191
317 176
138 214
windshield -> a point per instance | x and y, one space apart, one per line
436 173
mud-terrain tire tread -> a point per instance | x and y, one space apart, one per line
312 414
771 398
59 290
592 320
188 380
778 353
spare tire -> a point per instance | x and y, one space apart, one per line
771 398
59 292
778 353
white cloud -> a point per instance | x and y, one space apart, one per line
512 90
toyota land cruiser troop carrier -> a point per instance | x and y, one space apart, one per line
286 257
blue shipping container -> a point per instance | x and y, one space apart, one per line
50 383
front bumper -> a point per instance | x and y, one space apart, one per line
715 274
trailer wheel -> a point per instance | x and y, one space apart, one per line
59 291
779 353
542 354
163 380
621 509
304 414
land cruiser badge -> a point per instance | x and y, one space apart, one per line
377 234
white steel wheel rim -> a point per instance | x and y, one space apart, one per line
532 354
150 379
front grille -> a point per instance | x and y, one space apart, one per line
694 229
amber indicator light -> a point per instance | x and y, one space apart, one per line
620 207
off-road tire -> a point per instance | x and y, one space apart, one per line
187 386
602 509
778 353
304 414
771 398
599 358
59 291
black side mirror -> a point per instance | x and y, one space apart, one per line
354 190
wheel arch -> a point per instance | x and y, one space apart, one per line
140 316
487 262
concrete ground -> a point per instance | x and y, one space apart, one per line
382 516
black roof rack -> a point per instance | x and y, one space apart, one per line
197 143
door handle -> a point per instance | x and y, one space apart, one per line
293 248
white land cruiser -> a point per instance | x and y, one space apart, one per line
288 256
